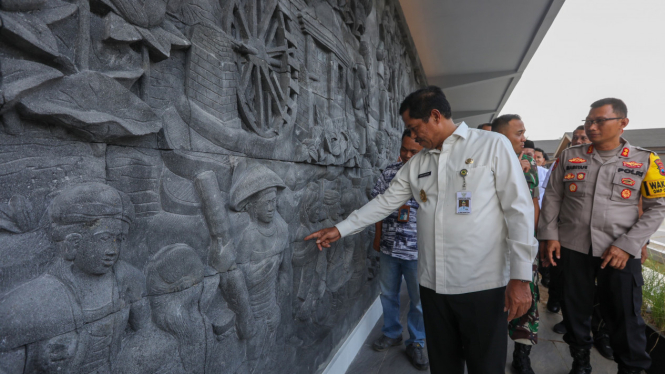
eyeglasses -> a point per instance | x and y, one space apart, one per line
599 121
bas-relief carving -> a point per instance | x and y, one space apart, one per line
161 162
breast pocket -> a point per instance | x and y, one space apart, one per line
575 184
475 177
625 188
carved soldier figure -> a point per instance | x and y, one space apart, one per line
88 291
261 254
309 264
178 329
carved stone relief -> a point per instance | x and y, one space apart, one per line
161 163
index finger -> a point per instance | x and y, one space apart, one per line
512 312
521 154
607 259
550 258
313 235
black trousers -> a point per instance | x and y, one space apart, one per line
556 283
467 328
620 299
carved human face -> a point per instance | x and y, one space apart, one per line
335 212
97 246
264 205
333 144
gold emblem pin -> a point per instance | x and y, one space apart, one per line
469 161
423 196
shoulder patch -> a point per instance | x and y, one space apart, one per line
653 185
589 150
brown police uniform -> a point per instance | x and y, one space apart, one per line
594 205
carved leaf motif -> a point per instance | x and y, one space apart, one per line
117 29
28 32
21 75
55 10
94 105
16 217
143 13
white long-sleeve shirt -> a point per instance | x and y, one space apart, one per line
462 253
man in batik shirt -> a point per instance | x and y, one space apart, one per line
396 241
523 330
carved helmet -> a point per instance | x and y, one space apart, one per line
249 180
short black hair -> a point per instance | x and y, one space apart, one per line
501 121
421 103
407 132
618 106
529 144
545 156
483 125
580 127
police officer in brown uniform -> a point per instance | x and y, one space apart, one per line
593 196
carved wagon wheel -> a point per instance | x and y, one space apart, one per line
268 87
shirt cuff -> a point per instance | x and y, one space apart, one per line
521 270
629 245
521 259
345 228
548 234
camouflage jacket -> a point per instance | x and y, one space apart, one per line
532 177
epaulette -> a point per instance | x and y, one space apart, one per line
576 146
645 150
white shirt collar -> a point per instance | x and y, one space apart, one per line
462 131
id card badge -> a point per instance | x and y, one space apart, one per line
403 214
463 202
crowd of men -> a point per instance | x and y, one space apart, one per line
470 218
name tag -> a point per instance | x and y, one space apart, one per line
463 205
423 175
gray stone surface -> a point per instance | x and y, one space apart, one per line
161 163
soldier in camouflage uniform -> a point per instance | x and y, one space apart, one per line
523 330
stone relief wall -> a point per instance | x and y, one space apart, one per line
161 162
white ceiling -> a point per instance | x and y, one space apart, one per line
476 50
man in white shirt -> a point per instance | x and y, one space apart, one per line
541 159
474 268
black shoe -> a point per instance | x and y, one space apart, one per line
417 356
383 343
521 360
581 361
602 344
559 328
553 306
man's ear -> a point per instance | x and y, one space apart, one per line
70 246
624 123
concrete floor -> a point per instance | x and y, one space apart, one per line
550 356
